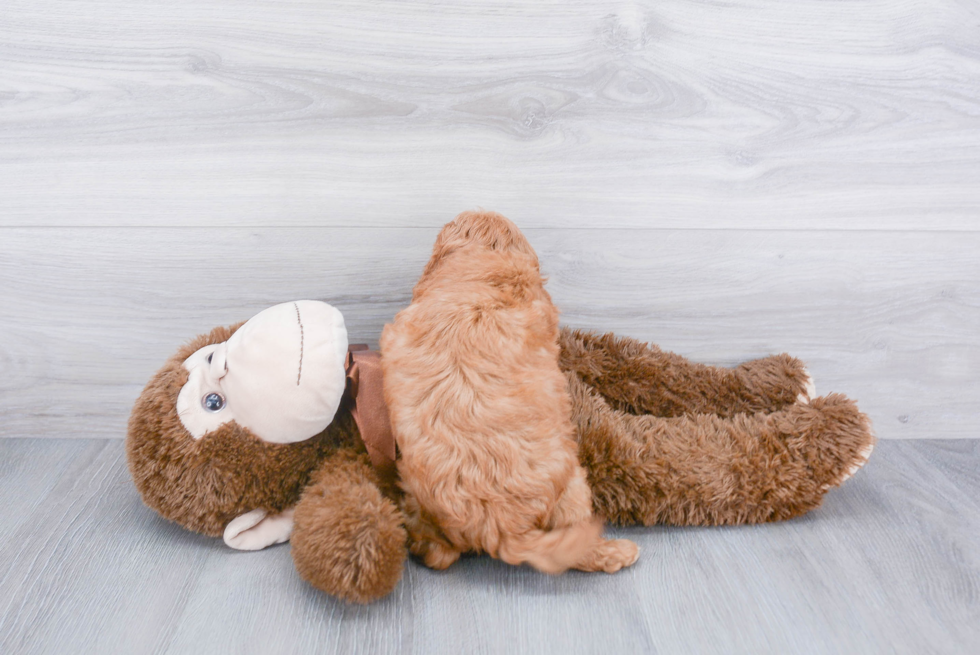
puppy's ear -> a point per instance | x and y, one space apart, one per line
450 237
258 529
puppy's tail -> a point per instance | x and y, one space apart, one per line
552 551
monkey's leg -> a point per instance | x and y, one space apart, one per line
642 379
707 470
348 539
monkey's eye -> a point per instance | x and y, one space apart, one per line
213 402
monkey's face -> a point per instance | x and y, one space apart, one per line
281 375
235 421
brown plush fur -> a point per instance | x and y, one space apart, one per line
703 460
348 538
204 483
481 411
642 379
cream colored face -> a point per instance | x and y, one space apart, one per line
202 402
281 375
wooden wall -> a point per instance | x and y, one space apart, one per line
724 179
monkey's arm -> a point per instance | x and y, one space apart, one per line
349 538
642 379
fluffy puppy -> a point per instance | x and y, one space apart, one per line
481 411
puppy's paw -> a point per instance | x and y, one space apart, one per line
610 556
435 555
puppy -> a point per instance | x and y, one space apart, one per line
481 413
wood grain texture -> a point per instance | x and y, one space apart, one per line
888 318
889 564
749 114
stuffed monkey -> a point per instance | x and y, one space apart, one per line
254 433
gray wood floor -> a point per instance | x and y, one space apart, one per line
889 564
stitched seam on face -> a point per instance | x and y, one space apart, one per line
300 321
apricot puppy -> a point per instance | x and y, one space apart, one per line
481 411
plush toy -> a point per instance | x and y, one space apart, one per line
275 430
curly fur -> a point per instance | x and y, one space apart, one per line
481 412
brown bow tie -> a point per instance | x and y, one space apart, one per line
364 384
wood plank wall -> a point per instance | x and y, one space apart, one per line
724 179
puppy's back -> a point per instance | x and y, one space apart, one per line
480 409
473 363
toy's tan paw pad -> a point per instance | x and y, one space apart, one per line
859 461
809 389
